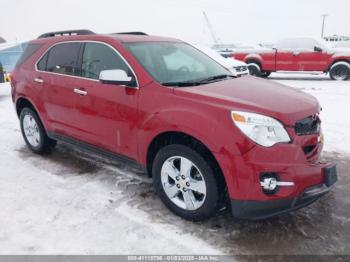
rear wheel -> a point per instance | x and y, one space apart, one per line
340 71
185 182
34 133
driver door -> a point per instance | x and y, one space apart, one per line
106 113
314 57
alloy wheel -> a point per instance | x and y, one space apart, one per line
183 183
31 130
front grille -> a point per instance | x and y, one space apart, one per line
307 126
241 68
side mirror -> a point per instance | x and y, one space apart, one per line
318 49
116 77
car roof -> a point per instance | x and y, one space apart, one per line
121 38
125 38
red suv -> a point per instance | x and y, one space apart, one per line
165 107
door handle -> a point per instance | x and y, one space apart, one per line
38 80
80 92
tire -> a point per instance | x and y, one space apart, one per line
204 196
34 133
340 71
254 69
265 74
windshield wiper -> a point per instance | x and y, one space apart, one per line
198 81
181 84
214 78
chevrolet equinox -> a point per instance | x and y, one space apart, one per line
205 136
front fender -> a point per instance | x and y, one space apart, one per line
210 131
339 58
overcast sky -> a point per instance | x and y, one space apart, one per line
243 21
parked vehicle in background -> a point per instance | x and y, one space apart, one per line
206 137
238 68
226 50
2 74
298 54
7 77
337 39
9 55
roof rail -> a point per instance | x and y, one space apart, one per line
68 32
131 33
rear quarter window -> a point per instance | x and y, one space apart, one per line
42 63
28 52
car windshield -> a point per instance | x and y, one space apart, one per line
177 64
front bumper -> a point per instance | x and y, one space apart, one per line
257 210
293 162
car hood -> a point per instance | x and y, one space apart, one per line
235 62
256 95
231 63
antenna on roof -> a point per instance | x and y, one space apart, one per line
68 32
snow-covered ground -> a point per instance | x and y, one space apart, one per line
60 205
75 203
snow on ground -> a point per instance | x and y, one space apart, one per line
71 202
49 208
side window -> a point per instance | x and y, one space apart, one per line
296 44
98 57
42 63
63 59
286 44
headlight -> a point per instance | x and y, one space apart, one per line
233 71
263 130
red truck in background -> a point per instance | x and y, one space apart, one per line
298 54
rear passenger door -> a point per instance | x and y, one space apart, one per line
106 114
56 73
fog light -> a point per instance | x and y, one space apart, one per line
270 183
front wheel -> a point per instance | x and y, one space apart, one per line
340 71
254 69
185 182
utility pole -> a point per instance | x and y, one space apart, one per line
323 23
